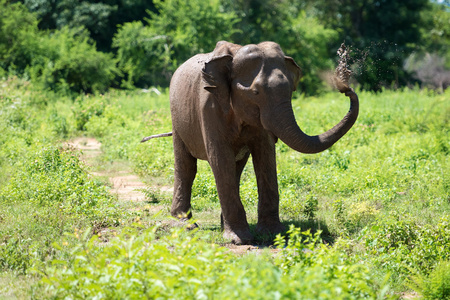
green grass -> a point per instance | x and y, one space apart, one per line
379 197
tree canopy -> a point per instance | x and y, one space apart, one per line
138 43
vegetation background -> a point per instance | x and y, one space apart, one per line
369 217
88 46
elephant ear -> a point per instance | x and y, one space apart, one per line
216 79
294 69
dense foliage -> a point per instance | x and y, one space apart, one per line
99 17
376 203
149 54
394 43
64 60
183 266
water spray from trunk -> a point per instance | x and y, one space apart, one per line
342 73
339 79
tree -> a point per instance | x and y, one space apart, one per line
382 34
149 53
430 64
63 59
436 32
18 31
100 18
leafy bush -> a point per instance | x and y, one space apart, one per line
50 193
15 255
19 125
399 244
307 41
180 265
18 36
108 122
140 53
295 205
86 108
55 177
67 60
304 256
204 189
311 206
437 284
353 216
149 54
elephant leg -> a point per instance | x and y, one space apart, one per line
234 219
240 165
184 174
264 162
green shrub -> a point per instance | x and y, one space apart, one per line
182 266
50 193
53 177
437 284
352 217
68 61
154 158
15 255
204 191
248 189
18 36
399 244
85 108
60 124
141 52
304 256
149 54
63 60
304 34
111 120
296 205
311 206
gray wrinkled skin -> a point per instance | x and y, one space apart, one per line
228 104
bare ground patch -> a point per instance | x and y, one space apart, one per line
126 185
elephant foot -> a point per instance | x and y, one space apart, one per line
238 237
270 227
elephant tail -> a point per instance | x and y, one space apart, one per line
156 136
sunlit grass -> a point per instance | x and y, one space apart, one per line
389 172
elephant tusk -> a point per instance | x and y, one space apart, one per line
247 89
156 136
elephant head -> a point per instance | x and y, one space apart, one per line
256 82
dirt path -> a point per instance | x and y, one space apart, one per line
124 183
128 187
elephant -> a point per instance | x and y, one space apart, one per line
228 104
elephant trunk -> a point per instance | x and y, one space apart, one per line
283 125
